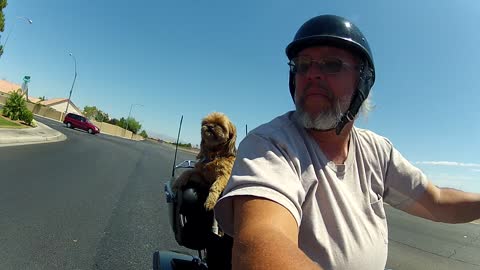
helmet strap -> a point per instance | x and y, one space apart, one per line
291 85
361 93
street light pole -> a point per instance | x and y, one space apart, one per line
129 113
13 26
71 89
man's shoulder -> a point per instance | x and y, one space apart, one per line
282 124
369 138
281 133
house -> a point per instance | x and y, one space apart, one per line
60 104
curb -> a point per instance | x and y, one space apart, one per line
56 136
32 139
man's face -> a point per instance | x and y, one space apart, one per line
325 81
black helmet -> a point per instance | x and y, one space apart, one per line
337 32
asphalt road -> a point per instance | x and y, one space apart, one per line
89 202
97 202
416 243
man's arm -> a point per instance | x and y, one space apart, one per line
446 205
266 237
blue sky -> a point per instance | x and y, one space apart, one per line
193 57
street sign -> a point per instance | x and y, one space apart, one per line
26 80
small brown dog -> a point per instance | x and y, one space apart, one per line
216 157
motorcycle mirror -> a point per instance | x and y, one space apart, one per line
186 164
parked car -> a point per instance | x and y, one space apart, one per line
77 121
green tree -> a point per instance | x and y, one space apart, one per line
101 116
122 122
133 125
3 4
90 111
130 123
114 121
42 98
144 134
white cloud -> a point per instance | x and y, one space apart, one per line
449 163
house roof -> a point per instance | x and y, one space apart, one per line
33 99
8 87
53 101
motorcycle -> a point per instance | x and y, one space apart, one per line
194 228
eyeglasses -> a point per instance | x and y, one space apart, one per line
330 65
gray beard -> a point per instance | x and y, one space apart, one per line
325 120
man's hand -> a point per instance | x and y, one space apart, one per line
446 205
266 237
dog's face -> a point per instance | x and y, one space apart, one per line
217 130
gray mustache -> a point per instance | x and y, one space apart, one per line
319 84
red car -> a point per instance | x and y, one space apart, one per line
77 121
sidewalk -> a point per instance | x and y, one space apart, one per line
39 134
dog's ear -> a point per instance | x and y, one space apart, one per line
230 149
202 155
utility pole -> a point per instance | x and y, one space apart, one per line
126 120
71 89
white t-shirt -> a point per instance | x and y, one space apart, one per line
338 208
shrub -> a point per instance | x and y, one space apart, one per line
27 117
15 105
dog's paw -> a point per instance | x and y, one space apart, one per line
176 185
210 202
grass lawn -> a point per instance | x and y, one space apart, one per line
7 123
